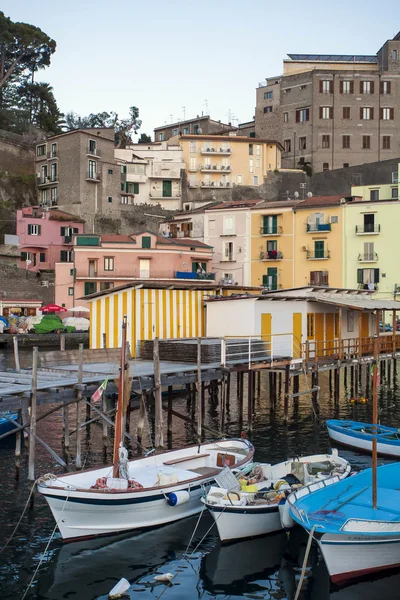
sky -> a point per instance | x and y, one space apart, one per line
179 58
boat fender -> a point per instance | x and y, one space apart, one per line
176 498
284 513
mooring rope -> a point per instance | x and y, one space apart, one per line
303 569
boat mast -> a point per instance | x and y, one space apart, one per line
120 401
375 412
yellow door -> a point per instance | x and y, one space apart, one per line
365 325
266 329
330 332
297 334
319 334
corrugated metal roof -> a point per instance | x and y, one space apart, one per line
353 301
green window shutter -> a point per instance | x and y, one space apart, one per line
135 188
194 267
63 256
75 230
62 231
29 229
39 229
265 279
376 275
122 187
87 288
87 241
265 224
146 242
274 224
126 186
23 256
319 248
125 169
42 257
360 275
204 266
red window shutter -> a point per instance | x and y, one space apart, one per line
331 86
372 87
381 113
392 114
297 116
371 113
361 87
341 87
307 114
351 87
321 86
312 278
361 113
381 88
325 277
331 112
320 112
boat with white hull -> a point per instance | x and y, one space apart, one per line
360 435
355 539
256 505
159 489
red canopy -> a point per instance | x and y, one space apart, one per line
53 308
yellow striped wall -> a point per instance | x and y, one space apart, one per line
151 313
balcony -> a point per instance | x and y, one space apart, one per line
90 176
318 255
159 196
368 258
271 255
67 239
215 184
316 227
52 154
368 229
215 169
368 286
93 152
195 276
219 151
277 230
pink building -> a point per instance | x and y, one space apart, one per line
101 262
45 237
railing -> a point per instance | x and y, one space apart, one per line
258 348
368 257
318 255
197 276
313 227
92 176
350 348
271 255
93 151
277 230
368 286
365 229
218 168
52 154
212 150
67 239
214 184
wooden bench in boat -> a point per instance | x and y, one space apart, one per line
184 459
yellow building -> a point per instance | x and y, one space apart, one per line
387 191
272 244
318 248
215 161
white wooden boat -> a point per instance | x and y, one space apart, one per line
360 435
257 506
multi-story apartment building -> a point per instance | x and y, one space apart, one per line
334 111
45 237
153 174
77 172
101 262
199 125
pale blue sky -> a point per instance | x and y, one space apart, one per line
163 55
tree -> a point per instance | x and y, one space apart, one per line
144 138
123 128
306 167
23 47
39 100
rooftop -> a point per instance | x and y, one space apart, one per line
357 58
230 138
130 239
195 120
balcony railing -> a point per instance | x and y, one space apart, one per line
213 150
93 151
215 184
196 276
216 168
90 176
313 227
52 154
318 255
271 255
368 229
368 257
276 230
368 286
159 196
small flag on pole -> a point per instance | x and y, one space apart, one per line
99 392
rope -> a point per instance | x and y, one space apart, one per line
303 569
20 519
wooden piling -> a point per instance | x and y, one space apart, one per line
141 418
159 436
250 375
65 420
198 396
336 381
259 384
228 391
104 340
169 417
222 406
16 354
18 445
105 404
62 342
78 457
32 426
286 397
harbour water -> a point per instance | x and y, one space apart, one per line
264 568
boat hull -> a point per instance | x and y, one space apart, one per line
362 444
351 556
235 523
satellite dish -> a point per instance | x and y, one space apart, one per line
296 194
28 262
309 194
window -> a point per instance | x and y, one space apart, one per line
287 90
346 112
326 112
92 147
303 114
167 188
255 180
366 142
366 113
319 249
229 225
175 132
239 179
270 280
144 268
251 165
346 165
287 144
41 150
161 137
193 147
319 278
394 54
374 194
268 95
211 224
347 87
193 163
44 196
395 177
70 291
109 263
303 87
123 169
386 87
65 255
106 285
326 86
131 187
395 193
43 177
42 257
386 142
34 229
124 200
270 224
310 321
366 87
334 219
109 199
53 196
196 129
346 141
53 152
369 251
251 149
228 276
302 143
228 254
185 130
90 287
326 141
286 117
258 163
367 278
267 109
325 166
146 242
92 169
387 114
110 171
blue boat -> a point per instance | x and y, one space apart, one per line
360 436
5 424
355 538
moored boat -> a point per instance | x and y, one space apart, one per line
360 435
255 504
7 424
